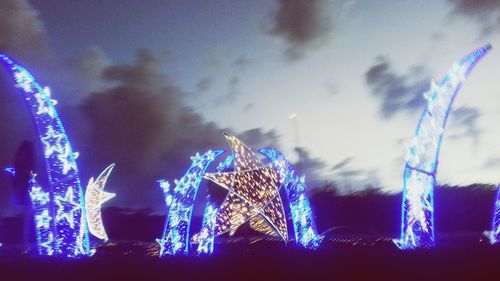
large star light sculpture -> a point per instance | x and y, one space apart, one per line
253 195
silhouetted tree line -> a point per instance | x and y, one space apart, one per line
458 209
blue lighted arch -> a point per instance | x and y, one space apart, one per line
59 212
175 239
495 219
304 225
417 222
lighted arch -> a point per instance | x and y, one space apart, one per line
417 222
175 239
494 233
59 213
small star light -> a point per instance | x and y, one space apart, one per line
47 245
37 194
43 220
51 141
66 206
66 159
43 99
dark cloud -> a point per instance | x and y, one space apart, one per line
204 84
342 164
310 167
232 92
484 12
241 63
464 123
22 33
492 162
349 179
397 92
303 24
142 123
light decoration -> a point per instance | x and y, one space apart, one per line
40 203
417 222
95 196
175 237
67 235
206 237
304 225
168 191
494 234
253 195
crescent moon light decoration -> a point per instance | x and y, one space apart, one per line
417 222
60 220
175 235
304 225
494 234
95 196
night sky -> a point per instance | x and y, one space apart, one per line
146 84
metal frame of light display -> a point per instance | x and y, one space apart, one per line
266 216
59 211
417 221
494 233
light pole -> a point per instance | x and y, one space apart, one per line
295 128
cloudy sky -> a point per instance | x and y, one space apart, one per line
145 84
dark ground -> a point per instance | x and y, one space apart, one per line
265 261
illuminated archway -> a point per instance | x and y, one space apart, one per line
264 216
59 211
417 221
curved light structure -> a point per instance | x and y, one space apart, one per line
175 237
60 218
495 220
253 196
304 225
417 222
95 196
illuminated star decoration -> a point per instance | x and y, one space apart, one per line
66 207
40 204
67 235
253 195
95 196
417 223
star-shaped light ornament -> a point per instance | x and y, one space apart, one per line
95 196
253 195
66 207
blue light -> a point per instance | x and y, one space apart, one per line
206 236
303 220
11 171
175 237
495 220
417 221
67 234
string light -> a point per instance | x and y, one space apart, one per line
95 196
417 223
303 220
175 238
206 236
67 234
494 234
40 203
253 195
